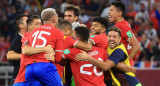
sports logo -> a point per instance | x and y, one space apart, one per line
129 34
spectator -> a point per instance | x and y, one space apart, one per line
105 10
158 14
145 48
142 15
152 16
4 45
131 12
151 32
136 4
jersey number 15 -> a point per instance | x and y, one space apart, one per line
38 35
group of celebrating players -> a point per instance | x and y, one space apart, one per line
49 51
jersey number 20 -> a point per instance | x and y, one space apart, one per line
94 69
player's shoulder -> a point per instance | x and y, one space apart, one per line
123 25
57 31
25 36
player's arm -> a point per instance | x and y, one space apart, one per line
58 46
78 44
69 53
83 45
27 50
100 64
12 55
135 47
14 48
109 63
125 68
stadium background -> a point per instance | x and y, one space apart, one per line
139 13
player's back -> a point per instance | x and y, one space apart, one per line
41 37
84 72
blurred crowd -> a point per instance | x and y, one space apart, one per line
143 16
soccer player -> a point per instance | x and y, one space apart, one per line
39 70
66 28
84 72
69 42
98 31
32 23
117 53
116 15
14 52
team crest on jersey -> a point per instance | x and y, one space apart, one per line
66 51
92 36
129 34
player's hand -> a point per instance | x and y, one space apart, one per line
49 56
82 56
49 50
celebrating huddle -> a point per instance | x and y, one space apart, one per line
57 53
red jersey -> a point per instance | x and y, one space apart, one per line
41 37
21 74
126 34
69 42
84 72
100 40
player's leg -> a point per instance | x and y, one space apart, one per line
47 74
30 77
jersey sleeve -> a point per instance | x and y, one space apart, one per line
126 32
95 39
58 45
69 53
25 41
117 56
69 42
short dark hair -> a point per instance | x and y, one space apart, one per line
103 21
116 29
119 6
82 32
31 18
18 20
63 24
73 8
